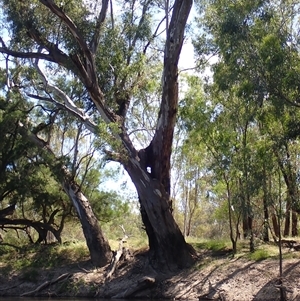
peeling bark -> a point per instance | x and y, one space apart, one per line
97 244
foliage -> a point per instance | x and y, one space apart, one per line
243 116
260 254
213 245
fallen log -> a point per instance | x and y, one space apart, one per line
288 243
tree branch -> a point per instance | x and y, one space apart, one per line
96 37
89 66
164 132
68 103
27 55
83 118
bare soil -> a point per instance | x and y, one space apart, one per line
211 278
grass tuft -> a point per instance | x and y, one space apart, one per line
212 245
259 255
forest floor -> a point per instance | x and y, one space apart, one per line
215 276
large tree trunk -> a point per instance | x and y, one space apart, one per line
168 249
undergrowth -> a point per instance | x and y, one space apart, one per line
28 258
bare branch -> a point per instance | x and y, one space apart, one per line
84 119
142 19
75 156
95 40
71 26
112 15
68 103
155 34
87 167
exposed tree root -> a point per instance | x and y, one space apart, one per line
45 285
144 283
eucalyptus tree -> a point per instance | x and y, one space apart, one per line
284 143
193 185
108 56
208 131
258 48
225 123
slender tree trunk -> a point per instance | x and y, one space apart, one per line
265 203
290 179
287 224
232 237
245 227
294 224
188 233
98 246
275 225
192 209
251 242
266 222
186 209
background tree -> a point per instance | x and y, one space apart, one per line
257 52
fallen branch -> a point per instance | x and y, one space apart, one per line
183 294
297 248
46 284
288 243
117 255
8 288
